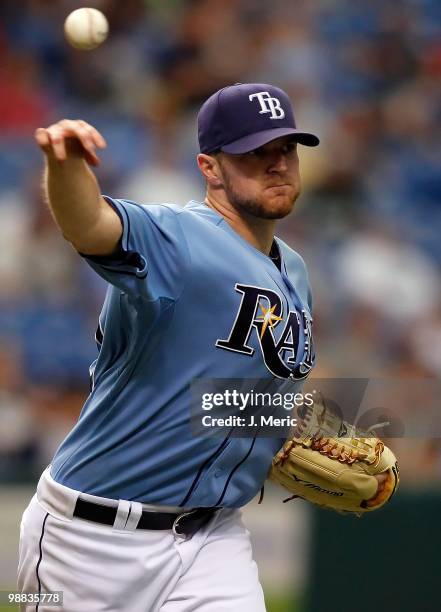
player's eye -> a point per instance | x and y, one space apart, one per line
290 147
259 153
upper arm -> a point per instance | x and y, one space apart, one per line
152 255
102 238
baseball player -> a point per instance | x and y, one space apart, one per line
136 513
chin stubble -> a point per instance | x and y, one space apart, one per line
253 207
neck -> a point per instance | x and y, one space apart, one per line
257 231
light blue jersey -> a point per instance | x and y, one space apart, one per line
185 301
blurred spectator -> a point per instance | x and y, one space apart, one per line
393 278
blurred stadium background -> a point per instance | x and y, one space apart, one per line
365 76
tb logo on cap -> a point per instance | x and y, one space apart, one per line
268 104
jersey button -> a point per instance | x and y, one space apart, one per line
218 473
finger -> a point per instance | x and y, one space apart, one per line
86 138
53 139
69 128
96 136
92 158
42 137
80 131
56 137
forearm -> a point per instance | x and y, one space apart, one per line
73 196
72 191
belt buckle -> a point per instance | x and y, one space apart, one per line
175 531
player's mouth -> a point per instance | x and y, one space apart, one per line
280 187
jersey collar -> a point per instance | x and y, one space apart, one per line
202 209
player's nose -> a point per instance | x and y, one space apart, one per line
278 162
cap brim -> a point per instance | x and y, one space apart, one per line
254 141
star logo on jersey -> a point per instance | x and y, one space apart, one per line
268 317
281 354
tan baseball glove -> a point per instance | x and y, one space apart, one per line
329 462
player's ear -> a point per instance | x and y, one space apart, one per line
210 169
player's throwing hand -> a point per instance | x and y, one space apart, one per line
70 138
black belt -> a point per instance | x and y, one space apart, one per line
185 523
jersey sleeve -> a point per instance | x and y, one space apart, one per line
153 255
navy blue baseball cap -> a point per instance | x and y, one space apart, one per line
245 116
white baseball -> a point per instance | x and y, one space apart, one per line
86 28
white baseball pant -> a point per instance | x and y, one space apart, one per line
121 569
